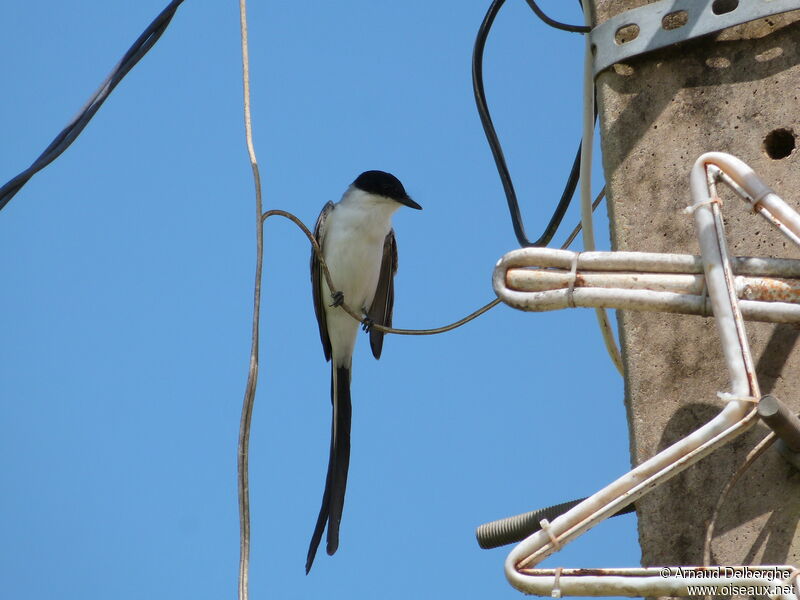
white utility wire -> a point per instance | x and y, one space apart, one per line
586 183
738 415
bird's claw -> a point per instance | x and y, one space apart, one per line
338 298
367 324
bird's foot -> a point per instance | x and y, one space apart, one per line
338 298
366 324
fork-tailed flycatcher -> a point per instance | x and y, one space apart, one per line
359 247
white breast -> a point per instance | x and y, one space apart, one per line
355 232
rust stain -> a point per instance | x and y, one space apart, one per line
772 290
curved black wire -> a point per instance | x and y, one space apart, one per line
63 140
494 143
553 23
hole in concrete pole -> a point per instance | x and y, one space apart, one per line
720 7
674 20
779 143
718 62
623 69
626 33
770 54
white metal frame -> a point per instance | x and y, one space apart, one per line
738 415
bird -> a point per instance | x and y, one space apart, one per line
360 250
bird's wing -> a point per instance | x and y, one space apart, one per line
316 280
381 310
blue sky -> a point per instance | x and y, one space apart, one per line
126 306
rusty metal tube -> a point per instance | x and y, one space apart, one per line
538 279
767 289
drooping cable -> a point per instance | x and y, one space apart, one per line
589 116
360 317
63 140
494 143
553 23
751 457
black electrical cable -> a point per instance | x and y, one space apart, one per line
63 140
553 23
494 143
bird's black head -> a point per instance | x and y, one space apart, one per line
384 184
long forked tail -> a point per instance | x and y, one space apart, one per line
338 463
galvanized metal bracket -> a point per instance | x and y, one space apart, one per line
668 22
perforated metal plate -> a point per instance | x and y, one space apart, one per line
668 22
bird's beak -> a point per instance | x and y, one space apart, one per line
410 203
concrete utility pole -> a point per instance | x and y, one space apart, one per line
739 92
